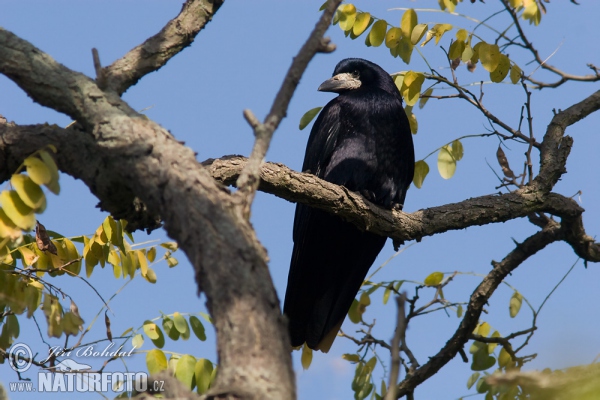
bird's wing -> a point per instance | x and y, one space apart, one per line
321 143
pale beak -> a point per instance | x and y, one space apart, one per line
340 83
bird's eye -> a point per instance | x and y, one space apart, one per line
356 74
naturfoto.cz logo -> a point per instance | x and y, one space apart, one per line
68 375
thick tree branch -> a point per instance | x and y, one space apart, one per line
147 161
248 180
160 48
279 180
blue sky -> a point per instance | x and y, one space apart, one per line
238 62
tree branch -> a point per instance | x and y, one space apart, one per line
249 178
564 77
156 51
149 163
478 299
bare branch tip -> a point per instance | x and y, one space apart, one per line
251 119
100 75
325 46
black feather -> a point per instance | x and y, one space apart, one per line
361 140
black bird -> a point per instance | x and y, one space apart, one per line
360 140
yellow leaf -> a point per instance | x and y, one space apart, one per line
439 30
29 257
204 372
306 358
446 163
151 254
362 22
501 70
489 54
411 87
515 74
351 357
392 38
21 215
434 279
38 170
532 12
412 120
467 54
515 304
461 35
31 194
150 275
408 22
8 229
421 171
377 33
417 33
405 49
156 361
516 3
347 16
143 262
484 329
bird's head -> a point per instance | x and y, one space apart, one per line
356 73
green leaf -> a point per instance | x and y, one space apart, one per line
456 50
421 171
489 55
308 116
501 70
457 150
472 379
17 211
425 98
459 311
198 328
386 294
446 163
504 358
515 74
169 327
377 33
515 304
29 191
204 375
353 313
185 369
306 357
482 361
434 279
156 361
418 32
180 323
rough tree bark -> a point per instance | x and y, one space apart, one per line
141 173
